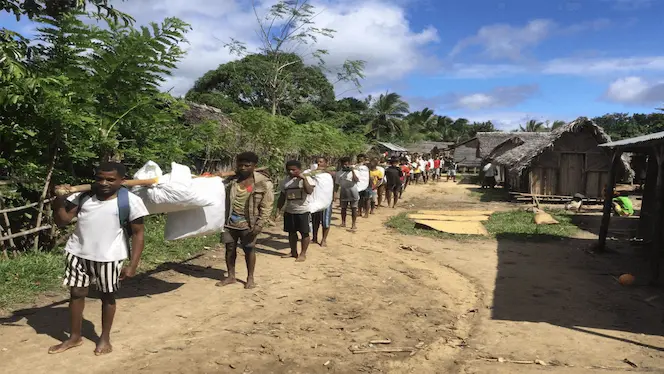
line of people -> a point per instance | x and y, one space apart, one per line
110 228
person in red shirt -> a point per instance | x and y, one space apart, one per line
436 169
405 177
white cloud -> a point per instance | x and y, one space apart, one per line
371 30
608 66
503 41
510 120
636 90
506 41
496 98
601 66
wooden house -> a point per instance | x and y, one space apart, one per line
382 148
431 148
563 162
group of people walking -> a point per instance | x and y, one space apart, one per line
110 228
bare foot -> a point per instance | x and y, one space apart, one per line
226 282
250 283
103 347
343 224
67 344
290 255
301 258
323 243
353 228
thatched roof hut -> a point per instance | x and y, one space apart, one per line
427 147
564 161
199 113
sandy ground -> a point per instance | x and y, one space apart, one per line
501 305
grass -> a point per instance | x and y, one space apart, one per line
514 224
23 278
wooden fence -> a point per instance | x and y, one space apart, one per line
7 235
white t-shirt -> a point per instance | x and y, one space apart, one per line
422 165
98 235
489 170
296 197
431 163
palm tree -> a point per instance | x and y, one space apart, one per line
557 124
533 126
386 114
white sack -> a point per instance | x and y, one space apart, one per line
323 193
173 193
363 176
203 220
148 171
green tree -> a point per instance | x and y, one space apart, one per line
533 126
557 124
287 28
385 115
249 83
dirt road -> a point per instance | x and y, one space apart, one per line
460 307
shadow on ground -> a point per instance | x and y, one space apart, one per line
53 319
619 227
562 283
487 195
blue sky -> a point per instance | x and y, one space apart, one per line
505 61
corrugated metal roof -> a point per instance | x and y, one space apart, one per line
639 141
393 147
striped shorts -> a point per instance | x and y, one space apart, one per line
79 272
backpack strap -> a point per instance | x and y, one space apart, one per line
123 214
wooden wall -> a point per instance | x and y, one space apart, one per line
465 155
575 164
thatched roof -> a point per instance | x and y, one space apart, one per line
428 146
488 141
199 113
521 157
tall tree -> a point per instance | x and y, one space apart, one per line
557 124
385 115
288 28
533 126
249 83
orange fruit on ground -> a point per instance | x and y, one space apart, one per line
626 279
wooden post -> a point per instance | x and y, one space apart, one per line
42 197
648 205
655 247
608 201
7 225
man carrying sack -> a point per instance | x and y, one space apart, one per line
249 199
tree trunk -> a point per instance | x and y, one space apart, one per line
40 207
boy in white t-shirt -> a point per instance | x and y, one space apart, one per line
98 246
295 190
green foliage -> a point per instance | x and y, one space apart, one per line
519 224
250 83
385 115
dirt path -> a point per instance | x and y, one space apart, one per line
456 303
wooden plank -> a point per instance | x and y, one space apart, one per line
24 233
465 228
431 217
457 212
571 173
593 186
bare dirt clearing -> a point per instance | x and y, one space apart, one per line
460 306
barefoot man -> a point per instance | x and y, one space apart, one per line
107 218
249 199
294 191
324 217
348 194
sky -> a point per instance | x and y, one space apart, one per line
505 61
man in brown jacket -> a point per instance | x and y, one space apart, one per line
249 201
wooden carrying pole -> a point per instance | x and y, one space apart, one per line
62 191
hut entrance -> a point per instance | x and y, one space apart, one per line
571 173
